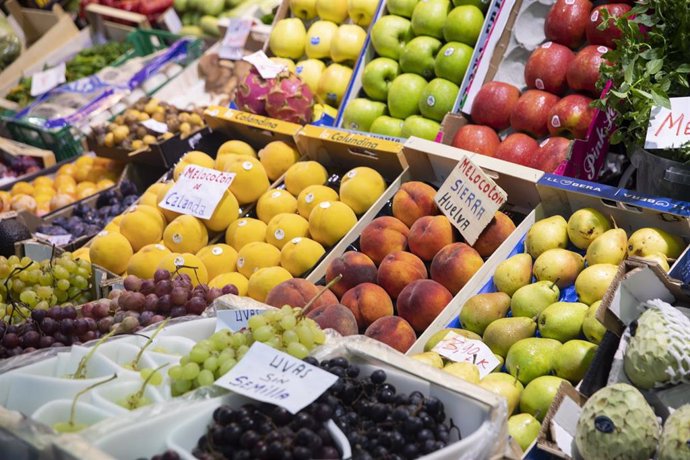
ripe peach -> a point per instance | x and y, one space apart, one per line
428 235
297 292
393 331
414 200
454 265
382 236
335 316
399 269
500 228
355 267
368 302
421 302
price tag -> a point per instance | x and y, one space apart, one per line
197 192
172 21
42 82
266 68
271 376
470 199
669 128
57 240
155 126
459 348
232 46
194 140
235 319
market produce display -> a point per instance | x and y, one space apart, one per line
201 17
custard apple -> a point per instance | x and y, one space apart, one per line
659 350
617 424
675 439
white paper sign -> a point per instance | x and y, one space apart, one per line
197 191
459 348
57 240
232 46
155 126
669 128
42 82
271 376
172 21
470 199
235 319
266 68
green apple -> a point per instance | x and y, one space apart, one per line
524 428
387 126
360 113
420 127
378 76
483 5
332 10
319 38
573 360
303 9
362 11
438 98
347 43
403 95
288 38
452 61
389 36
464 25
429 17
401 7
418 56
538 395
310 71
333 84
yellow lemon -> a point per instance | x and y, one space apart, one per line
84 161
22 188
185 263
277 157
185 234
60 181
43 181
236 147
144 262
153 212
66 170
149 199
236 279
111 251
44 190
193 157
275 202
23 202
85 185
104 184
330 221
227 211
86 193
299 255
218 259
265 279
82 253
312 196
244 231
284 227
360 188
250 178
155 188
303 174
141 229
257 255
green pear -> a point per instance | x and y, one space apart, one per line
585 225
547 234
559 266
649 240
562 321
501 334
530 300
524 428
440 335
501 361
660 259
513 273
591 327
505 385
573 360
539 394
530 358
429 357
608 248
464 370
594 281
480 310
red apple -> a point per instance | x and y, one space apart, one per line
531 112
547 67
551 153
610 33
517 148
571 115
583 72
478 139
493 105
567 21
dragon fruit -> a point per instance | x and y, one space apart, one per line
290 99
252 92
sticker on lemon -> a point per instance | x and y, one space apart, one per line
330 221
218 259
144 262
244 231
185 263
236 279
185 234
360 188
299 255
284 227
111 251
275 202
277 157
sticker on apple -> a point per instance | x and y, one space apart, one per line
555 121
595 16
547 45
539 83
449 51
431 101
602 49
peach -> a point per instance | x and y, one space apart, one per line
454 265
399 269
428 235
414 200
500 228
382 236
421 302
393 331
337 317
355 268
297 292
368 302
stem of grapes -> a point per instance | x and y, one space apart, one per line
80 373
306 308
73 409
135 362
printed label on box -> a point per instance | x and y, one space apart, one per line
197 192
460 349
42 82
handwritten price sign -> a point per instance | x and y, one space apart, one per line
197 191
459 348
